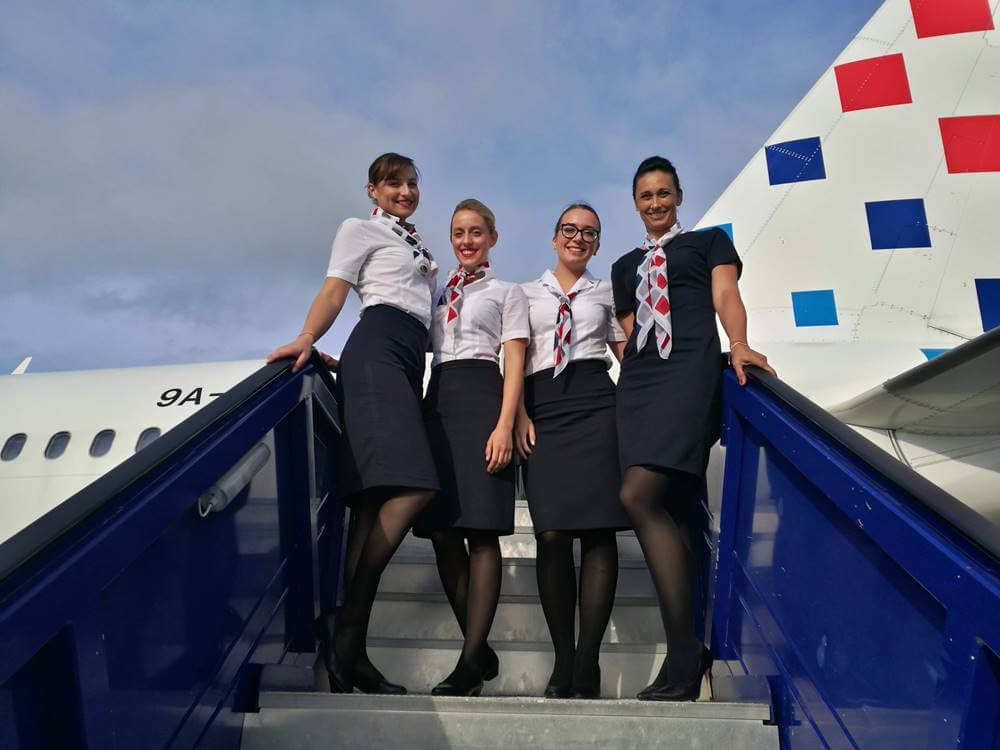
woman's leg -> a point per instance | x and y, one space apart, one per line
453 567
394 518
598 581
656 502
557 591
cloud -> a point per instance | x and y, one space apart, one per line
173 175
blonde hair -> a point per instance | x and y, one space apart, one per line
477 206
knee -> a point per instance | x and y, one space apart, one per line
631 499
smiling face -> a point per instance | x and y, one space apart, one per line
471 239
656 202
398 194
575 252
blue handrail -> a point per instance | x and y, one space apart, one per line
868 596
127 619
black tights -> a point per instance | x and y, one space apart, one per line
576 658
471 581
379 522
656 502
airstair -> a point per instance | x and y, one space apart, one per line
849 602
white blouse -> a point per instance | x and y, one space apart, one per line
492 312
594 321
380 265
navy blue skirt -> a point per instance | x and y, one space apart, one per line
379 383
572 477
461 411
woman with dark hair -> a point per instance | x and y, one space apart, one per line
385 468
469 411
566 431
667 293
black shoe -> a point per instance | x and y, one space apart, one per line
465 680
490 664
340 678
369 680
586 679
560 683
685 690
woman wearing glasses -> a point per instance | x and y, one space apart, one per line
385 468
667 293
566 430
469 412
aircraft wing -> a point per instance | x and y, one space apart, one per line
956 393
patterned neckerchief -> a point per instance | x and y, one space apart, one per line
453 291
652 294
422 257
562 340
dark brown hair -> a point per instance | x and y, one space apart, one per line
570 207
656 164
389 166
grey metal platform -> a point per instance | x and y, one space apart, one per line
414 639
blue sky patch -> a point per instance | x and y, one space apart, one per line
988 292
795 161
814 308
895 224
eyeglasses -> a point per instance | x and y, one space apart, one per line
569 231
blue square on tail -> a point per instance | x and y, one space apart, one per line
795 161
988 292
895 224
727 228
814 308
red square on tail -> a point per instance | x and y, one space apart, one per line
971 144
940 17
875 82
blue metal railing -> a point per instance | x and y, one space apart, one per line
868 596
128 619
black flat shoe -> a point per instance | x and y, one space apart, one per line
558 691
687 690
586 680
369 680
490 664
465 680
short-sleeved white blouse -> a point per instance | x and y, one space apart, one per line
380 265
594 321
492 312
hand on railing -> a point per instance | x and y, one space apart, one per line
300 349
741 356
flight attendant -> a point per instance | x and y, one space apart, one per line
469 411
385 468
566 432
667 293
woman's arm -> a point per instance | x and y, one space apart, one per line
500 445
322 313
627 322
729 307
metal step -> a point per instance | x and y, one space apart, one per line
521 544
415 722
414 572
633 620
524 666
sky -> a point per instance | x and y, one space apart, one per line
172 173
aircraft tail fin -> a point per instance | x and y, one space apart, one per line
23 367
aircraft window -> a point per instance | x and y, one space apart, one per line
102 443
12 448
57 445
148 436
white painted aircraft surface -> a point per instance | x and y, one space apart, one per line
871 240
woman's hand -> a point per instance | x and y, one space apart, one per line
331 362
741 355
300 349
499 449
524 434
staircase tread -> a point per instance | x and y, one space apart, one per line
447 644
622 708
